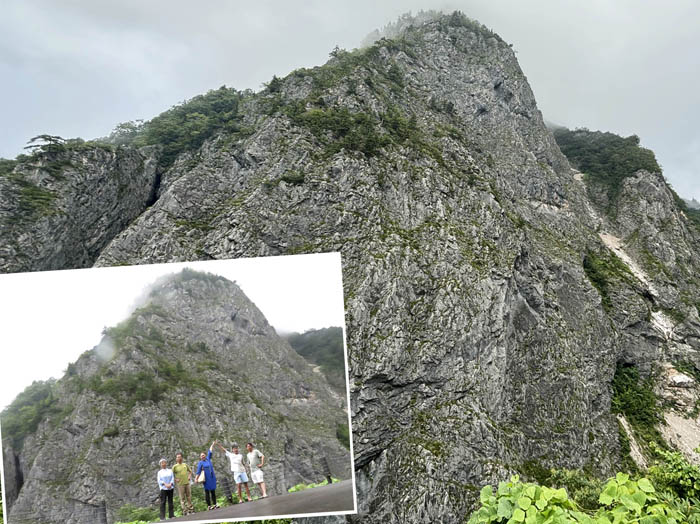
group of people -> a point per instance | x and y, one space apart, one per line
181 476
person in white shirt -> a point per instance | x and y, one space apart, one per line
256 460
166 483
238 470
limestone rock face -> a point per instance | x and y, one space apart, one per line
59 210
478 341
197 361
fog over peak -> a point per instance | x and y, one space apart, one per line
77 68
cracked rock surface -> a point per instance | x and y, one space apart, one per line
477 341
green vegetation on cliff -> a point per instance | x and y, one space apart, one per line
31 407
183 127
604 269
606 158
634 397
323 347
692 213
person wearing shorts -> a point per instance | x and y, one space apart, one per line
256 460
238 470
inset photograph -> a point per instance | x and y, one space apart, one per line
197 392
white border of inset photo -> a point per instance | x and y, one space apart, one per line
87 302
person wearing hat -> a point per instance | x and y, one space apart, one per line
166 483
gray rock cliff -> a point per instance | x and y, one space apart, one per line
478 340
58 210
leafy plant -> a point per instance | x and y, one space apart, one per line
622 500
627 500
515 502
582 488
673 472
130 513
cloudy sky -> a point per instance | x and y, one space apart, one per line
48 319
78 67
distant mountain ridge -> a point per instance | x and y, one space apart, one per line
692 203
323 347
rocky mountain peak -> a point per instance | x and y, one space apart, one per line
204 295
494 295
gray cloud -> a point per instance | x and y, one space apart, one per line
78 67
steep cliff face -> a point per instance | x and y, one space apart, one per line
197 361
58 209
486 314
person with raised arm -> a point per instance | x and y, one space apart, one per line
238 470
205 466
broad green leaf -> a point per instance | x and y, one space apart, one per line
531 491
581 517
640 498
524 502
518 515
609 494
605 499
486 492
645 485
630 503
505 508
547 493
621 478
541 502
560 495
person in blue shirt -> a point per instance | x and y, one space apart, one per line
166 483
206 465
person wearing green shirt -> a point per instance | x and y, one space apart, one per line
183 475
